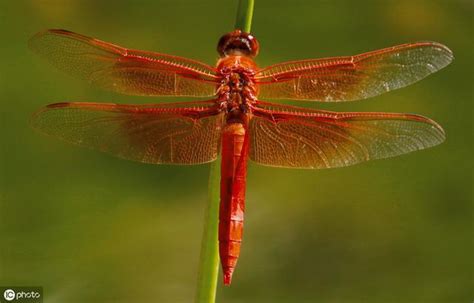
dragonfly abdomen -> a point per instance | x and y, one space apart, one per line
232 204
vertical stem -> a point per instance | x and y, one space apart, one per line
244 15
209 258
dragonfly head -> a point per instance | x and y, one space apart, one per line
237 43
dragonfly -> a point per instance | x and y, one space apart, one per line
234 121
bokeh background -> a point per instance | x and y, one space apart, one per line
92 228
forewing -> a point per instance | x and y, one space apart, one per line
286 136
355 77
169 134
122 70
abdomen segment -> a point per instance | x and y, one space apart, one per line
232 205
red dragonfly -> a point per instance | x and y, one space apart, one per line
235 122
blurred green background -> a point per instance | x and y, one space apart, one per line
92 228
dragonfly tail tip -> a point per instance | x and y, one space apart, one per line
228 277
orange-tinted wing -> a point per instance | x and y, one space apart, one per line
288 136
123 70
166 133
354 77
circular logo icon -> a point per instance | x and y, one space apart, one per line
9 294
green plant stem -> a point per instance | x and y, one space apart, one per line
209 259
208 271
244 15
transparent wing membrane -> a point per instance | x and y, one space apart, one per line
286 136
122 70
169 134
355 77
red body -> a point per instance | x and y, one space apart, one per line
236 91
232 206
234 122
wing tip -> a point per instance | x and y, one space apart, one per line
447 52
34 39
34 43
447 55
45 32
436 130
35 118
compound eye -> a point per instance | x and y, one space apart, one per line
238 43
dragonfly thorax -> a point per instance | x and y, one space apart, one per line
237 89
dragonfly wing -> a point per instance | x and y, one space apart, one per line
122 70
287 136
355 77
165 133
